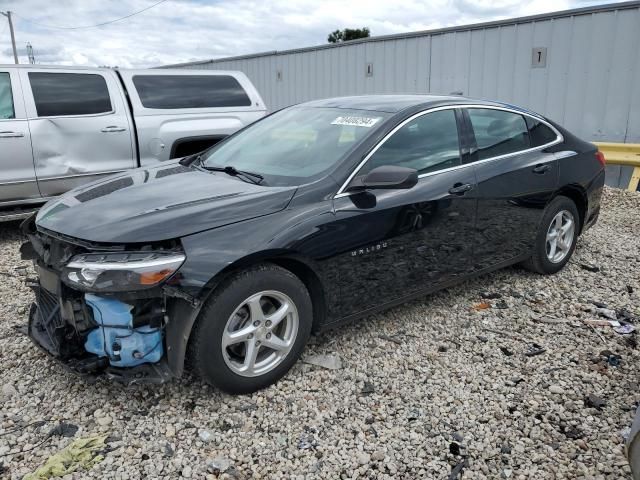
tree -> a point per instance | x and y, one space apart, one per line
347 34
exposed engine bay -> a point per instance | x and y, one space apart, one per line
102 308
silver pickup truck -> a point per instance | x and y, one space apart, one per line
64 126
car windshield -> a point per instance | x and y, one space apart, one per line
296 145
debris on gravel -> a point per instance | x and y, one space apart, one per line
331 362
535 349
394 405
491 295
589 267
367 388
594 401
606 313
64 430
218 465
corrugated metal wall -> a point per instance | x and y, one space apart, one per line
590 84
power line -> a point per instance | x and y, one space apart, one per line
90 26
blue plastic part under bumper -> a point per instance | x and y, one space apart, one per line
116 338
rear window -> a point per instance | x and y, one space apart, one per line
539 133
190 91
64 94
498 132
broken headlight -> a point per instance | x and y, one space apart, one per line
116 272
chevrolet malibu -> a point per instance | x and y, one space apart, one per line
316 215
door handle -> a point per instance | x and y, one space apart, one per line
11 134
541 169
112 128
460 188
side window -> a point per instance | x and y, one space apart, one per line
190 91
6 97
498 132
64 94
427 144
539 133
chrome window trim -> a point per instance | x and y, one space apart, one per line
559 139
84 115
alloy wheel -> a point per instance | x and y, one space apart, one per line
260 333
560 236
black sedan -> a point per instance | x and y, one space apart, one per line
316 215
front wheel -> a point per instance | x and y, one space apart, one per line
253 329
556 238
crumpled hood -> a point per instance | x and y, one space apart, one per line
160 203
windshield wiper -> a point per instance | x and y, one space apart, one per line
255 178
191 159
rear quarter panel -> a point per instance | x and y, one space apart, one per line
157 133
580 169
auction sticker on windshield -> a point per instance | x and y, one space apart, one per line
356 121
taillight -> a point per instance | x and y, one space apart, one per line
600 157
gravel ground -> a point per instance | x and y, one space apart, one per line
422 388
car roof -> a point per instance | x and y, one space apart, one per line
386 103
138 71
394 103
27 66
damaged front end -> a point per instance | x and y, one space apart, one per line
103 309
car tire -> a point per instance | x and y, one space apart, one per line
547 259
244 310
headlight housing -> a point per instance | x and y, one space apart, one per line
123 271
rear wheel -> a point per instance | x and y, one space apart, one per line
556 237
252 331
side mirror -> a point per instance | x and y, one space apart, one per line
386 177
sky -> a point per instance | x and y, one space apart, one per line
178 31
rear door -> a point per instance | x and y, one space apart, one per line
516 176
17 175
398 242
79 126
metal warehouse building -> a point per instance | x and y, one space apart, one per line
579 67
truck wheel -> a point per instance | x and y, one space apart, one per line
556 238
252 330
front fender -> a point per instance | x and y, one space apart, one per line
183 314
298 231
213 255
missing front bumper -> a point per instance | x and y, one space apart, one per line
47 330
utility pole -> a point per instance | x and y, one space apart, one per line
13 37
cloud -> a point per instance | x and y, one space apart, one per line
185 30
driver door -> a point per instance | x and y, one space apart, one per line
17 174
397 242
